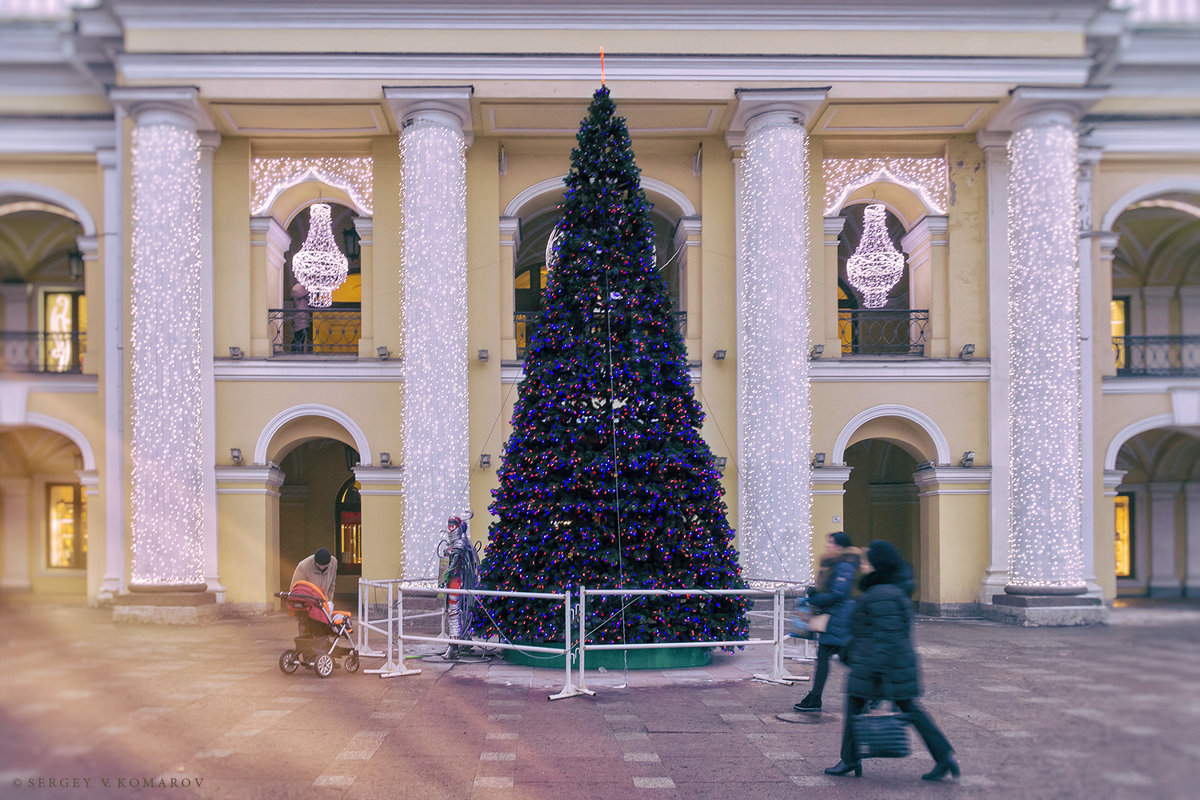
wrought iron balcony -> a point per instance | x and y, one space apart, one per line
526 321
883 331
314 331
38 351
1157 356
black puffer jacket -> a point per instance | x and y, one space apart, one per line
882 639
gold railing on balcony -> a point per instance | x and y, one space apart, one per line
313 331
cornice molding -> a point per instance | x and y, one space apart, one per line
314 371
566 67
855 371
1167 136
30 135
1036 105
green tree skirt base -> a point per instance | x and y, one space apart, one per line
650 658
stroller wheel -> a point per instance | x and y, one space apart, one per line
289 661
324 665
351 662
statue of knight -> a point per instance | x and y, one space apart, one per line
461 572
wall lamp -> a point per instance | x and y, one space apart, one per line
818 461
719 355
485 460
968 459
235 454
236 353
484 355
967 351
817 351
385 459
384 353
721 461
75 264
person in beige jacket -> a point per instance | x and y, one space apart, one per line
319 569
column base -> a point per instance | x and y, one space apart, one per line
1058 611
167 608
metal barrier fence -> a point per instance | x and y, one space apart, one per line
391 627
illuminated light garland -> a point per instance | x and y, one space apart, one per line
167 479
433 203
876 265
320 265
270 176
926 177
775 519
1045 512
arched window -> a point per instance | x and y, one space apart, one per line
349 527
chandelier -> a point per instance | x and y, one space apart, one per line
876 265
320 265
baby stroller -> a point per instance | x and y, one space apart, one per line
318 647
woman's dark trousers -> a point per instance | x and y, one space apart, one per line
935 741
825 653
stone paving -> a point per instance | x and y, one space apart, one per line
91 709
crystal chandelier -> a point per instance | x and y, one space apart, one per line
876 265
320 265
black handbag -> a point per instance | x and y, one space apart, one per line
881 735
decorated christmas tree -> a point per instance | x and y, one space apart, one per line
605 481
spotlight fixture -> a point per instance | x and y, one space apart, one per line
383 352
719 355
385 459
485 460
967 351
721 461
924 465
235 454
816 352
968 459
484 355
236 353
818 460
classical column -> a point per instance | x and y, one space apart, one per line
434 125
1107 349
1189 317
926 246
269 243
113 322
248 498
171 321
14 503
995 154
1046 552
773 306
1164 575
831 337
1191 493
510 241
382 494
687 245
365 228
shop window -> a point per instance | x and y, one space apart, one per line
66 522
1124 535
349 524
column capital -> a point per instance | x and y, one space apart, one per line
1108 242
687 227
759 108
443 105
365 228
171 105
929 231
993 143
1112 479
1034 106
833 227
510 232
829 480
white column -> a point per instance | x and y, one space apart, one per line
115 497
1046 551
510 242
14 494
995 153
172 481
775 520
1086 160
209 141
365 228
1191 492
1164 578
433 269
1108 242
1157 304
1189 316
687 244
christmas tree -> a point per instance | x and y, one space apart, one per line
605 481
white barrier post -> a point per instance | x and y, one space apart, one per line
778 673
400 668
569 689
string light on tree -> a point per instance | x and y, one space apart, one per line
320 265
167 478
876 265
773 380
271 176
433 199
1045 510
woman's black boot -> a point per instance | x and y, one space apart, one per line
843 768
948 764
809 703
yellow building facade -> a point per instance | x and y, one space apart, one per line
1018 410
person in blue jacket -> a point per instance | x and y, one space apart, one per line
831 595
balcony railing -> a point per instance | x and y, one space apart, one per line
334 331
883 331
526 321
39 351
1157 356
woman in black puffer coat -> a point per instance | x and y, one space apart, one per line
883 663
